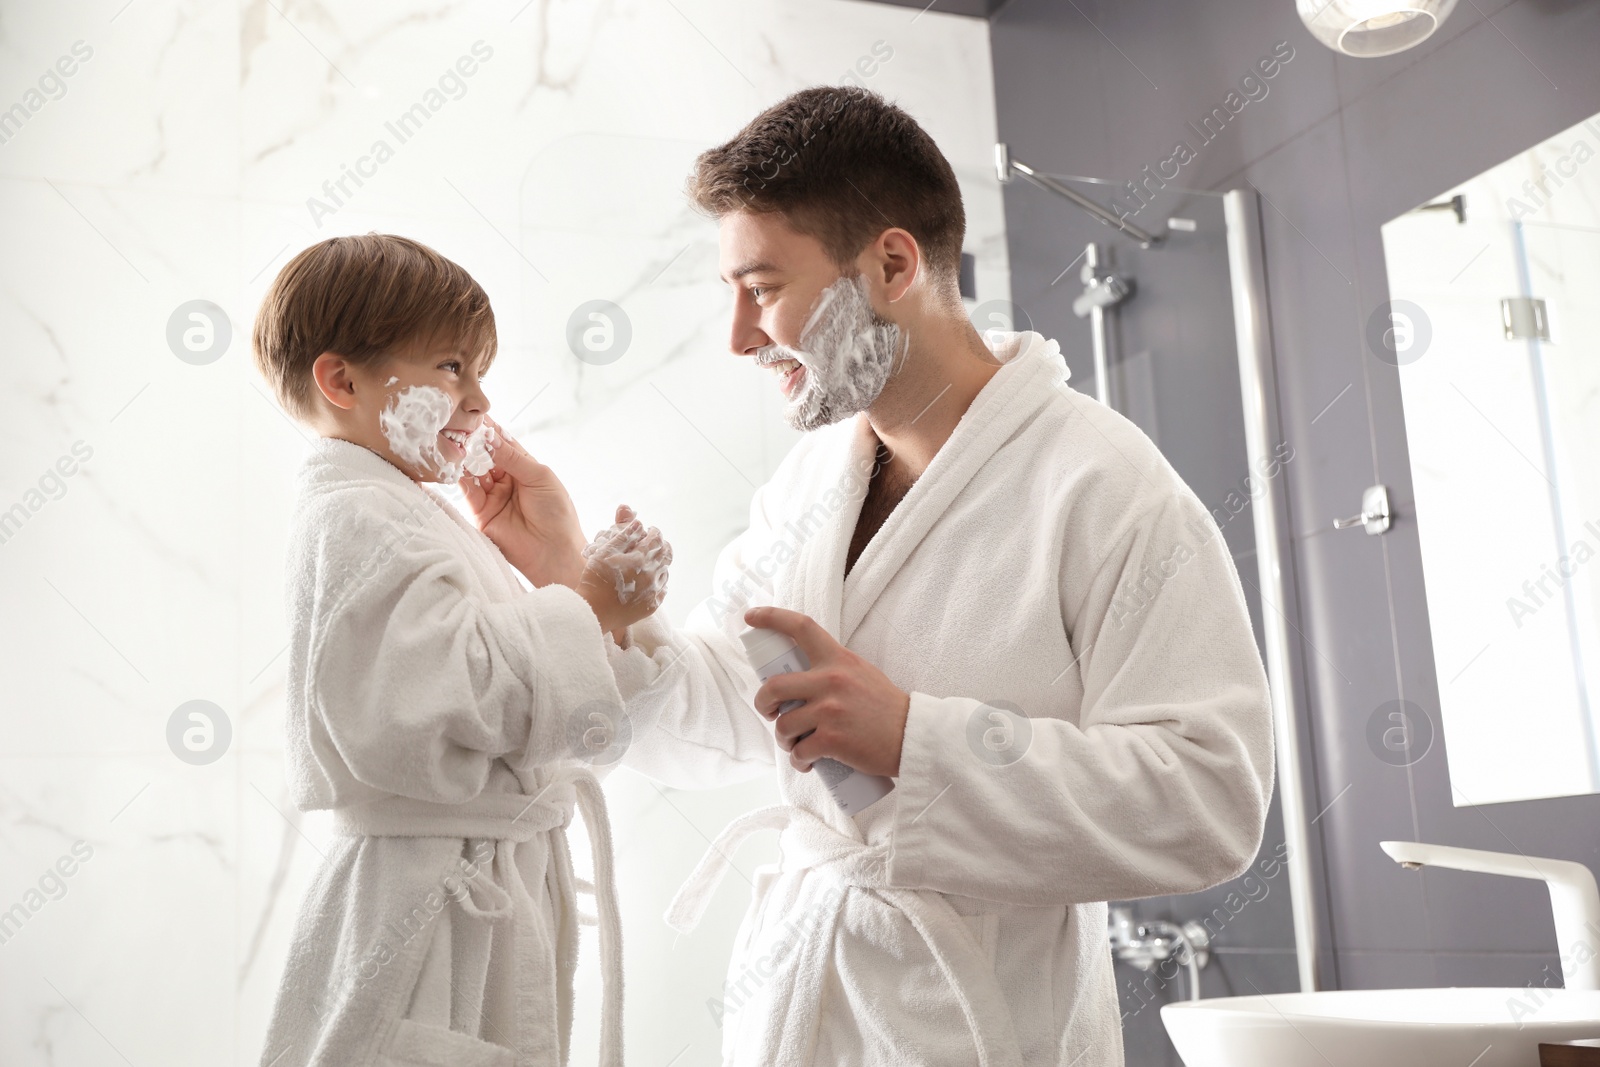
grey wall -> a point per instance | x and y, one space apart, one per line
1336 147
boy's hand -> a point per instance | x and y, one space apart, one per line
625 576
524 509
852 711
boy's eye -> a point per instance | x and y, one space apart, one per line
453 364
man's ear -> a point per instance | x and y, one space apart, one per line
896 259
332 373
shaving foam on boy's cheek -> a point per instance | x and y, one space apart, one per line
411 422
478 461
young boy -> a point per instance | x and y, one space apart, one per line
445 713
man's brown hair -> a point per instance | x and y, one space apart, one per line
842 165
365 298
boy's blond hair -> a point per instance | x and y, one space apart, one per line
365 298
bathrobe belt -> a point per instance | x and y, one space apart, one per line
509 819
810 844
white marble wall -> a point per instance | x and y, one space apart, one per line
174 163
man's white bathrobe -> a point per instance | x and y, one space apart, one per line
436 705
1089 721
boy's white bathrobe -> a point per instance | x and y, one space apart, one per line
436 705
1049 561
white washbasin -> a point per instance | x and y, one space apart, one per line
1381 1027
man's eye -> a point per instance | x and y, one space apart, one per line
756 291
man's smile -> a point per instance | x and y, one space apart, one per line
791 372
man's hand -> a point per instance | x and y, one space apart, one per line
852 712
525 510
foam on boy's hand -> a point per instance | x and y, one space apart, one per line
634 558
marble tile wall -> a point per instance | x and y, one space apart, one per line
190 151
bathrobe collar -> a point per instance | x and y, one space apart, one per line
335 463
1032 366
334 460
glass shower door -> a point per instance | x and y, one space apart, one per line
1173 368
1559 268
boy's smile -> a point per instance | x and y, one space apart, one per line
455 440
422 409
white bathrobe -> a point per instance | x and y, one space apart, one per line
1089 721
436 706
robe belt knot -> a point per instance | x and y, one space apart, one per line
810 844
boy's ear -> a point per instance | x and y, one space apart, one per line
332 373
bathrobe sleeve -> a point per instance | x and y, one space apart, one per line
1157 783
697 695
689 691
418 680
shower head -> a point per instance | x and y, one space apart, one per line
1103 292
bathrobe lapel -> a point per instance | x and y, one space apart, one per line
1015 393
810 581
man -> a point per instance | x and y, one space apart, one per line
1011 605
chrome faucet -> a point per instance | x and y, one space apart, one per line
1146 944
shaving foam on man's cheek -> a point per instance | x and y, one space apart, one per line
848 353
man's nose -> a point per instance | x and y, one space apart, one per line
745 338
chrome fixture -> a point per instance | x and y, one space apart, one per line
1524 319
1102 290
1456 205
1263 433
1146 944
1574 900
1368 28
1375 515
1004 166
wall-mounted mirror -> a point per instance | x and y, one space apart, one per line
1494 324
